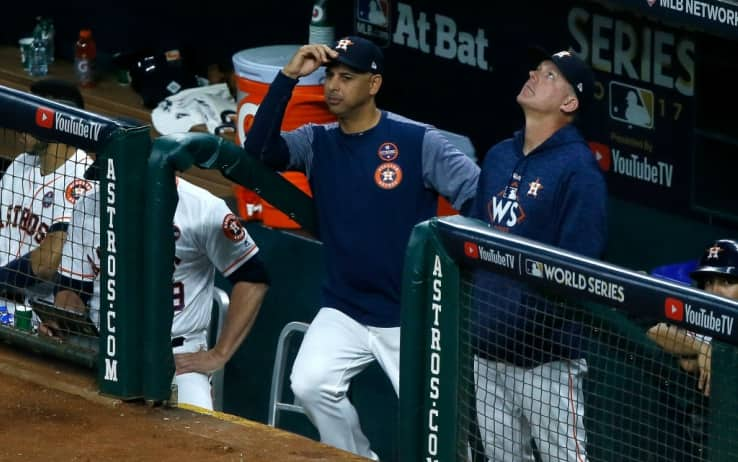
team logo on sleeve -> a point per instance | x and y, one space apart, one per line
388 175
232 228
76 189
388 152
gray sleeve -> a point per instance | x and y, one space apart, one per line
448 170
300 144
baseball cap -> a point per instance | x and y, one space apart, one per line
574 70
719 258
159 75
58 90
360 54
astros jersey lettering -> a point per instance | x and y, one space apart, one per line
31 203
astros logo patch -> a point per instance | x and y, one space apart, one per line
535 186
76 189
48 199
714 252
388 152
388 175
232 228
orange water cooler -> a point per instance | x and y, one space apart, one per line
255 69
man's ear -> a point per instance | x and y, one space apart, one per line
570 104
375 83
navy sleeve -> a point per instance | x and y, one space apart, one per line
584 214
264 139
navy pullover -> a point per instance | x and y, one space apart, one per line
370 190
555 195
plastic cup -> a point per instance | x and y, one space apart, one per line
23 316
24 45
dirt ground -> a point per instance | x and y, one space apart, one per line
51 412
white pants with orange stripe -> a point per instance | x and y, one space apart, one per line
515 404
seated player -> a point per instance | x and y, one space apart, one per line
37 193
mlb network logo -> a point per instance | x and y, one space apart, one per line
471 250
45 117
674 309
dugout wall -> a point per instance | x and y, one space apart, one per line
121 151
639 405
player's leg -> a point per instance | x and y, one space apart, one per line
556 410
193 387
335 348
385 344
504 430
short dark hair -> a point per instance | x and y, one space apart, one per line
58 90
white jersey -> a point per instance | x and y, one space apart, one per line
31 203
208 236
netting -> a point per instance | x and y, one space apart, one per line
47 153
524 352
535 399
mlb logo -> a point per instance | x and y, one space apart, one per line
534 268
471 250
45 117
674 309
632 105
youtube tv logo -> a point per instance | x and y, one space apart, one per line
602 154
45 117
471 250
674 309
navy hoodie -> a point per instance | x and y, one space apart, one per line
555 195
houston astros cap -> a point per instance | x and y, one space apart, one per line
576 72
360 54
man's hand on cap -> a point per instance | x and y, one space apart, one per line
307 59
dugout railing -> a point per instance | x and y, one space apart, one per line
639 404
136 176
117 145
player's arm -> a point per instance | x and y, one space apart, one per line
72 293
46 257
675 340
449 171
250 284
582 211
264 139
38 265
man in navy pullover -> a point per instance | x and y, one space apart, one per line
543 184
374 175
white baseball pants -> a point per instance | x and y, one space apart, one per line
194 387
545 402
335 349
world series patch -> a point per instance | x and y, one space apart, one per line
388 152
48 199
388 175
